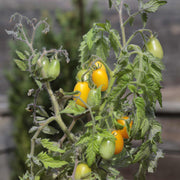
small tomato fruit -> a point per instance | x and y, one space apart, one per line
82 75
44 64
54 69
123 131
119 143
107 149
82 171
84 89
154 47
100 77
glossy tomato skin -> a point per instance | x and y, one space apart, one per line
119 143
84 89
123 131
54 69
82 75
44 63
155 48
107 149
82 171
100 77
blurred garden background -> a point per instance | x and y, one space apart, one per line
69 20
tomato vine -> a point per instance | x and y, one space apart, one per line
131 88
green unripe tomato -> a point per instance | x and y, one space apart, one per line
44 66
82 171
94 98
155 48
54 69
107 149
82 75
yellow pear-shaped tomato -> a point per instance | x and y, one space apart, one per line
99 78
83 89
119 143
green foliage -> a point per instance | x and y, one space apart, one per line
49 161
133 90
70 37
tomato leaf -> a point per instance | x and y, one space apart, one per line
115 41
91 151
21 65
139 115
20 55
32 129
143 152
144 18
114 174
153 163
52 146
83 139
73 108
144 126
49 161
50 130
152 5
89 40
155 131
102 48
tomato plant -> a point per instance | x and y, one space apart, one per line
153 46
131 87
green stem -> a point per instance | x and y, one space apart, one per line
111 83
138 31
121 24
27 41
35 137
132 16
92 117
57 114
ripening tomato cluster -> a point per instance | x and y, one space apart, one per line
49 70
108 147
99 78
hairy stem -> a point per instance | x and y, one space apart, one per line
121 24
35 137
57 114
